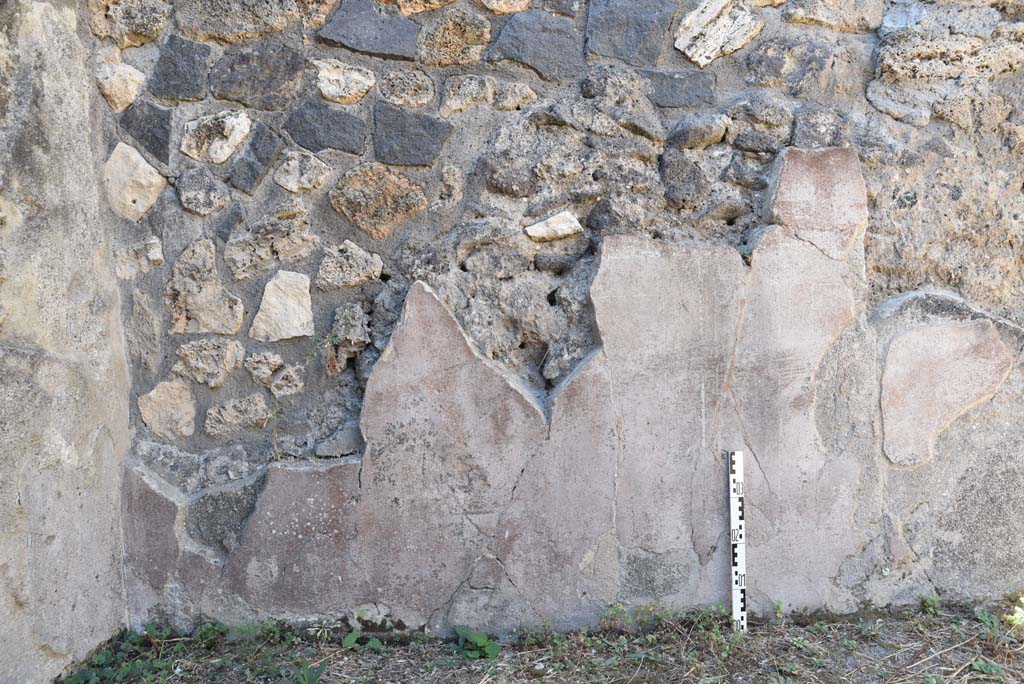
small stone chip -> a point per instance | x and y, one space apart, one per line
132 184
215 138
562 225
343 83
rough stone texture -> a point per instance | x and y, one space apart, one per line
182 71
359 26
150 125
249 412
410 88
407 138
458 36
318 126
282 236
715 28
796 65
347 265
934 375
851 17
546 43
301 172
215 138
142 257
505 6
262 367
129 23
463 92
376 199
631 30
233 20
168 410
199 302
821 196
674 89
343 83
132 185
261 77
63 370
285 311
208 361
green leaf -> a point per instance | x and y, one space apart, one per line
374 644
351 639
491 650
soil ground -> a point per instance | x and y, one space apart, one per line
929 644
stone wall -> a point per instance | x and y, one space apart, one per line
443 311
64 379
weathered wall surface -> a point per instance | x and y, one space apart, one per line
443 310
63 372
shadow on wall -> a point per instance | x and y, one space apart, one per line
478 502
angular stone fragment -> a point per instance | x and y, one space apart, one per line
132 185
119 83
150 542
686 184
259 76
343 83
215 138
376 199
315 12
150 125
505 6
463 92
798 65
319 126
182 70
562 225
200 192
129 22
259 154
249 412
347 265
933 375
350 334
863 16
546 43
286 382
283 235
821 196
699 130
816 126
410 88
216 518
142 257
716 28
232 21
347 440
457 37
209 361
676 89
286 310
168 410
359 26
198 301
630 30
407 7
301 172
406 138
262 366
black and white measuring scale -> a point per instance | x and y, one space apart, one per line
738 541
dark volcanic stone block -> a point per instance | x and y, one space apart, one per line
252 164
150 125
181 72
407 138
359 26
318 125
546 43
259 76
632 30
